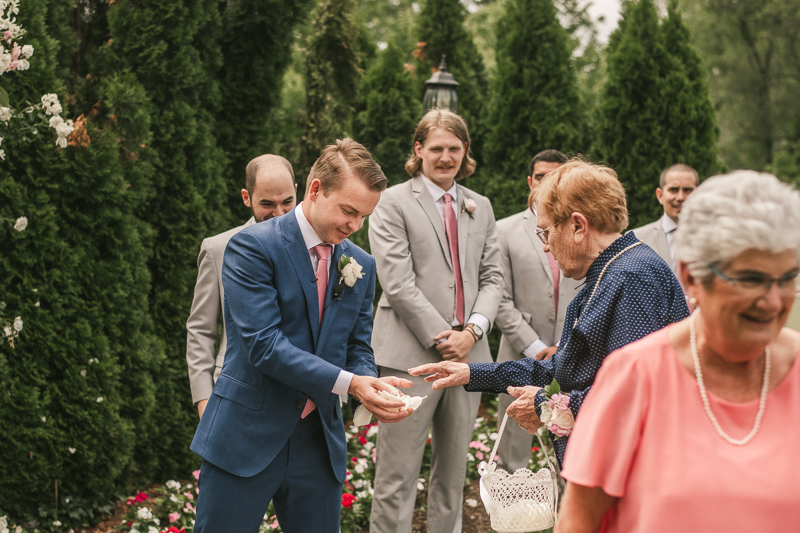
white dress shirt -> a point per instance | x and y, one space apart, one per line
670 226
438 200
311 239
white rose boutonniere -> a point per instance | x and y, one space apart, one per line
469 206
349 270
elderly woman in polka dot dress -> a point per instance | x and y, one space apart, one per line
629 292
694 428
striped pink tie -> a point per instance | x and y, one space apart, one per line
323 252
451 228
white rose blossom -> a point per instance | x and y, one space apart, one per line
469 205
151 529
50 104
351 272
547 414
18 323
27 51
5 114
172 484
21 223
7 332
144 513
564 419
3 525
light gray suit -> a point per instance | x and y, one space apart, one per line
202 327
408 239
653 235
527 313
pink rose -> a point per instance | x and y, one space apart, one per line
558 401
196 474
173 517
559 431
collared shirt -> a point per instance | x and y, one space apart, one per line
438 200
311 240
638 295
669 227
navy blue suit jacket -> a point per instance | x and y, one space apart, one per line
278 354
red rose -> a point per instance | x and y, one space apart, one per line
348 500
362 439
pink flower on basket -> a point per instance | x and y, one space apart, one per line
173 517
558 402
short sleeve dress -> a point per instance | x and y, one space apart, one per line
642 435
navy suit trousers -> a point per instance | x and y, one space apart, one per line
300 480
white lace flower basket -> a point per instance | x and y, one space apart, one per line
519 502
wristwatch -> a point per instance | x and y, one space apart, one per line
476 329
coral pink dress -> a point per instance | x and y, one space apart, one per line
643 436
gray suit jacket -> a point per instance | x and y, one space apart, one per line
202 327
653 236
408 240
527 312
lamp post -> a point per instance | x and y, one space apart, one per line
441 90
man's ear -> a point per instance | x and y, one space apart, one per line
418 149
530 183
314 190
660 195
246 197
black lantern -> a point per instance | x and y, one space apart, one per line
441 90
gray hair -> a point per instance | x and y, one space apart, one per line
735 212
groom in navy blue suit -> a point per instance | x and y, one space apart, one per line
298 338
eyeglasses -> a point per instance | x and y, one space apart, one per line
544 234
755 280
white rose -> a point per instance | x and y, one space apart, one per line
144 513
56 121
3 525
352 272
134 530
21 223
151 529
18 324
547 414
23 64
5 61
27 51
470 205
173 485
7 332
564 419
5 114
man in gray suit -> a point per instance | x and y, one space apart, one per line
270 191
438 261
535 300
677 183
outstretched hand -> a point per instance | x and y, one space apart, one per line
522 410
444 374
365 389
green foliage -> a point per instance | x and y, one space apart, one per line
655 110
751 50
391 112
333 76
78 277
536 103
256 45
441 26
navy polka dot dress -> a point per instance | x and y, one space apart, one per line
638 295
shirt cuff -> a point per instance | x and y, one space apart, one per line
480 321
342 384
534 348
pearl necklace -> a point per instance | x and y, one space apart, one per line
762 402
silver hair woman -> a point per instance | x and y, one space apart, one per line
693 428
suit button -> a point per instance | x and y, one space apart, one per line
451 285
299 405
449 318
552 319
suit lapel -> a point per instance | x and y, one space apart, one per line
298 255
328 316
529 223
464 219
422 195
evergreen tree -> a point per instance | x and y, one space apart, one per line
78 275
391 112
172 50
441 28
536 104
645 121
256 46
333 76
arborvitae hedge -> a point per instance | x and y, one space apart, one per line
654 111
78 277
391 112
536 103
333 75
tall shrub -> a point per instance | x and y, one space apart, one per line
536 103
646 119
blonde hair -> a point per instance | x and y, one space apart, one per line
342 157
582 187
447 121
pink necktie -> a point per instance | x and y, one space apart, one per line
554 271
323 252
451 228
